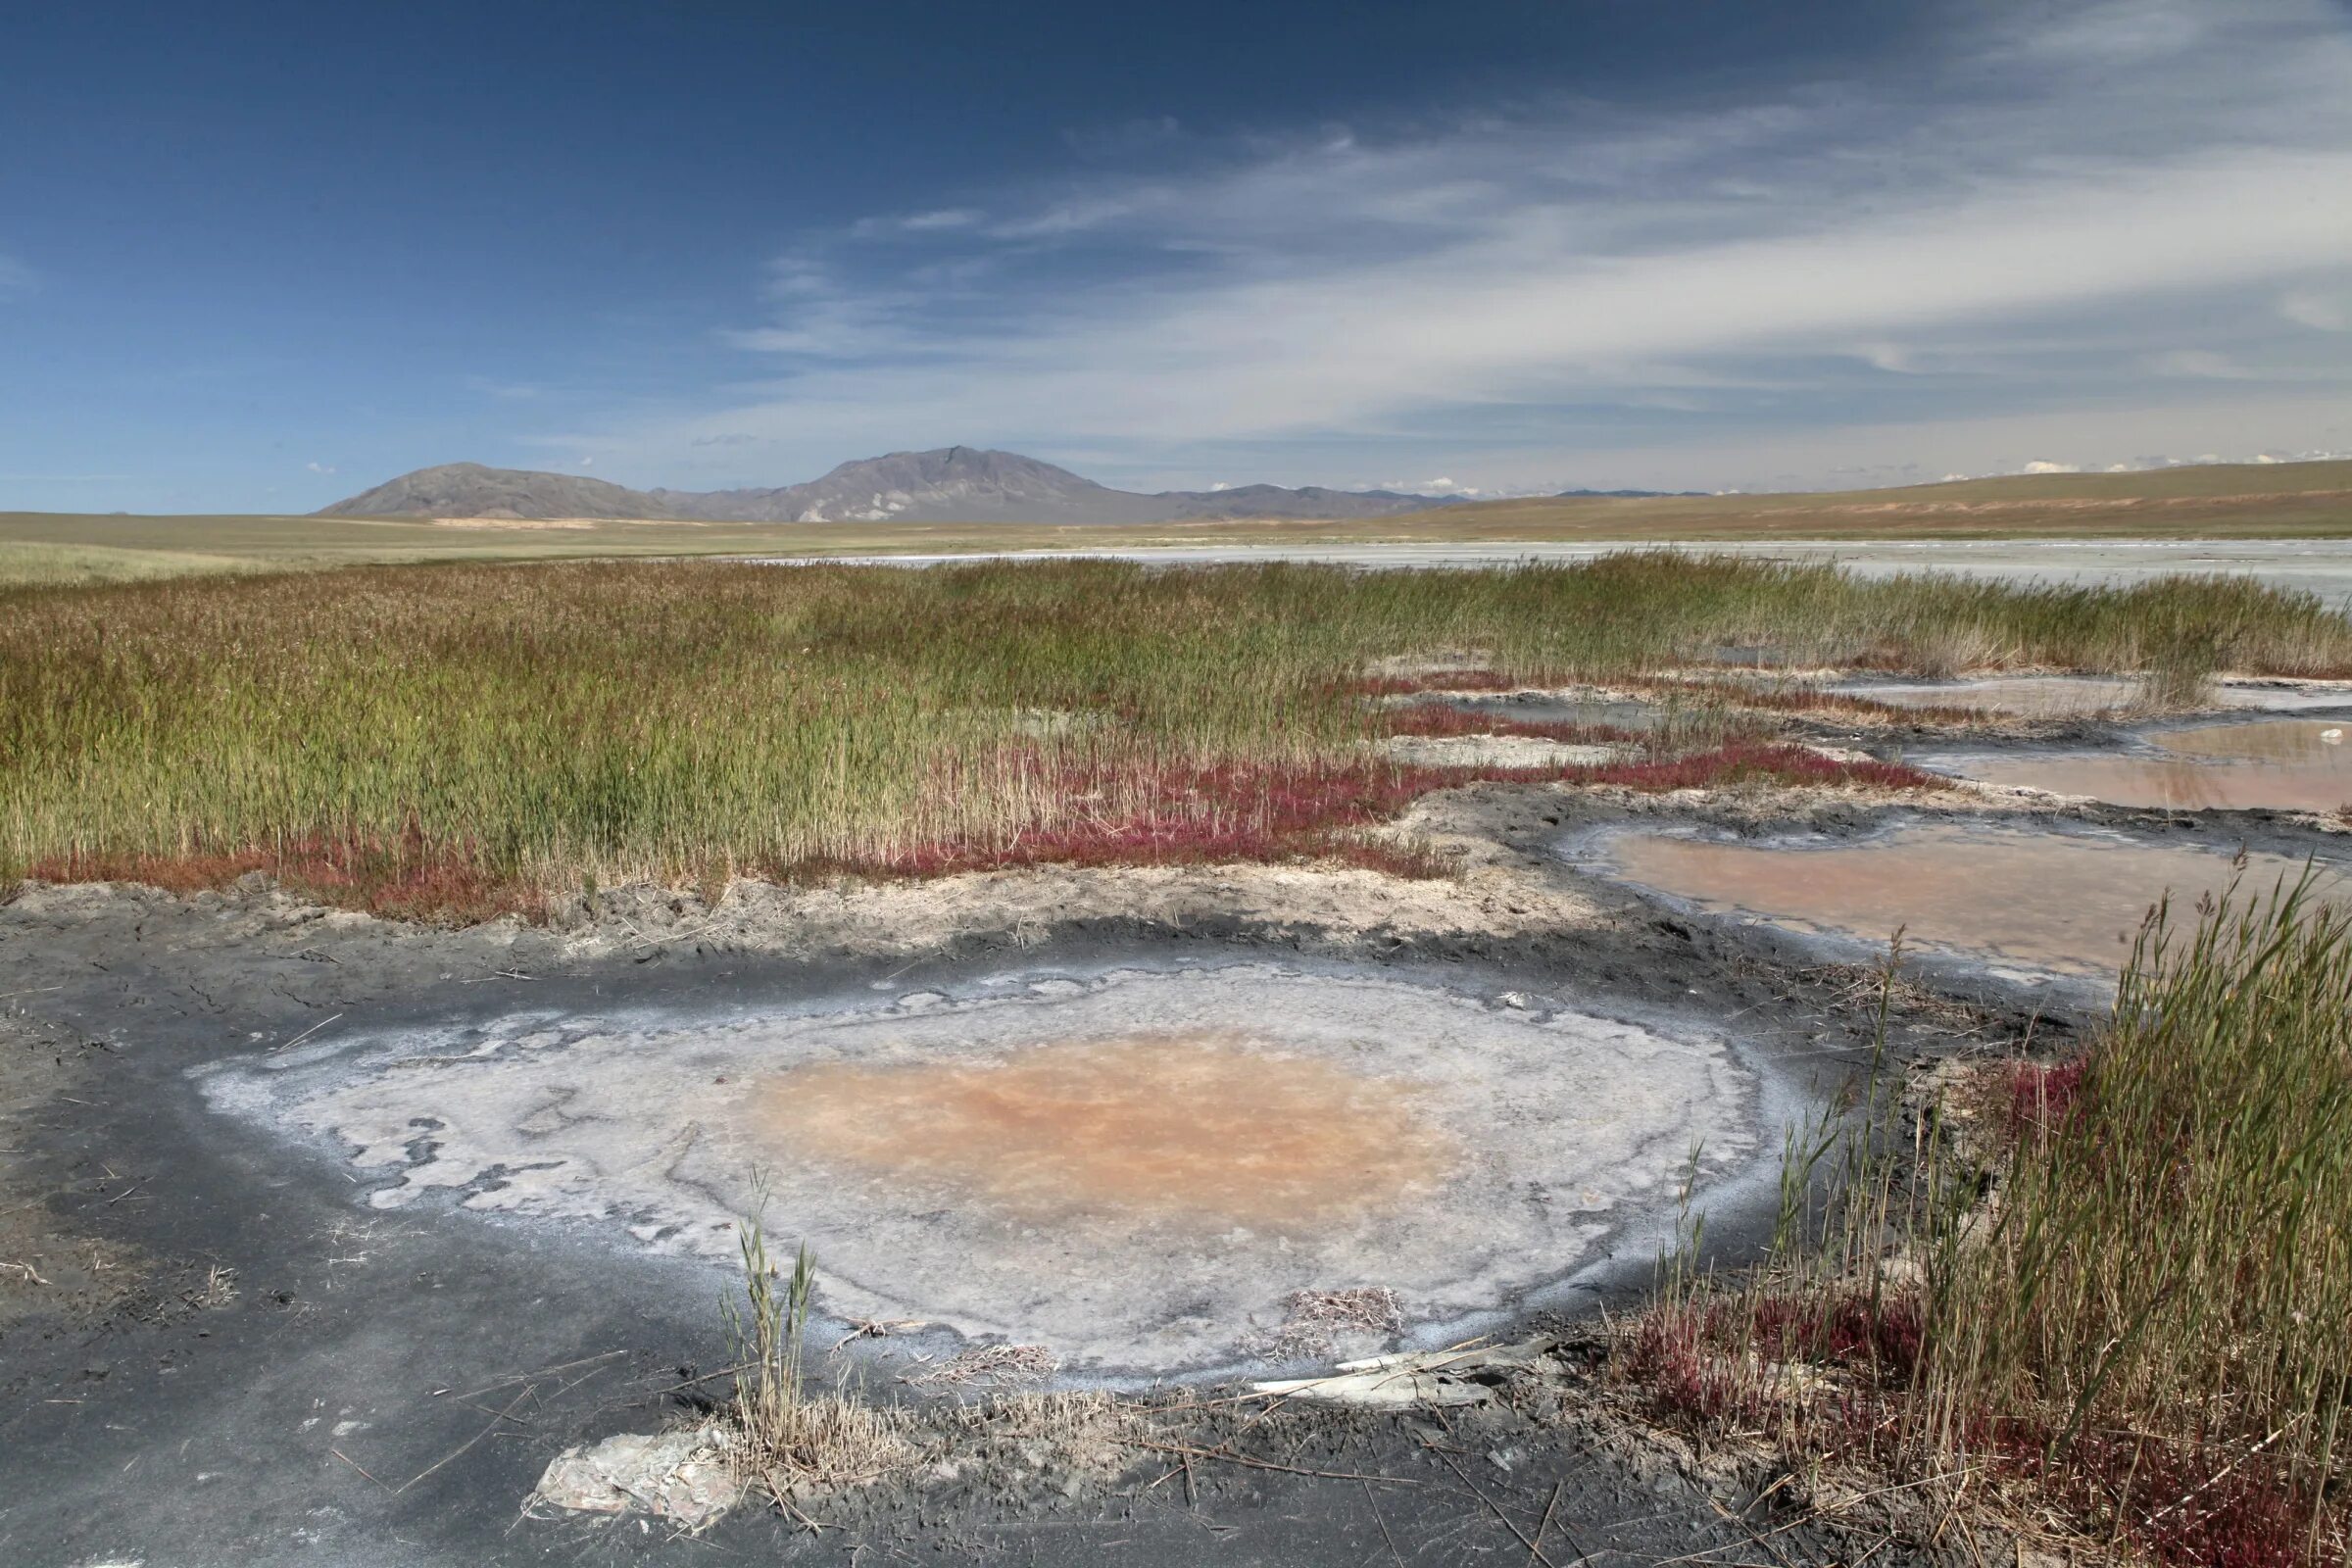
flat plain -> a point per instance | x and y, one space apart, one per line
2250 500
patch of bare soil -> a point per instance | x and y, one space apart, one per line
1493 836
57 1275
1485 895
1530 1450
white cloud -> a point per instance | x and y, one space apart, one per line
2200 365
2133 162
2320 311
320 468
934 222
15 278
1891 358
2044 465
1521 313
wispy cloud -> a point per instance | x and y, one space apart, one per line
2040 217
515 391
16 280
2319 311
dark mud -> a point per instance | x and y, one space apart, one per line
274 1372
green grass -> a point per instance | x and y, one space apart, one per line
37 565
2169 1267
2208 501
509 728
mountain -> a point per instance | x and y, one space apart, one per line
470 490
1311 501
952 484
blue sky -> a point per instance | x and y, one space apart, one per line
257 257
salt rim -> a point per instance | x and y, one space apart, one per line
1572 1128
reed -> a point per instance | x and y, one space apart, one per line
2166 1284
2135 1306
469 738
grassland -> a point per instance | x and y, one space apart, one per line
2277 500
2284 501
464 738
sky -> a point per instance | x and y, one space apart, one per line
257 257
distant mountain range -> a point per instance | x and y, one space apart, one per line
951 484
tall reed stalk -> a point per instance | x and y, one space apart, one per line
2170 1254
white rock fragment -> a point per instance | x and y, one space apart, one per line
683 1477
1413 1378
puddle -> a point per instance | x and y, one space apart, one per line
1135 1169
2065 902
2286 742
2286 697
2291 764
2085 696
2019 696
1202 1130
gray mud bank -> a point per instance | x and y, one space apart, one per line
342 1314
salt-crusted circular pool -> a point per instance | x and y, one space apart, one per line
1139 1170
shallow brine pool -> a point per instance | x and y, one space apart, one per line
2021 696
2088 696
1137 1171
2062 903
2291 765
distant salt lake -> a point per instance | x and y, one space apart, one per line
2321 566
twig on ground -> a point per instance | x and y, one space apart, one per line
1000 1363
495 1422
306 1032
528 1377
356 1465
1395 1555
1534 1550
2219 1476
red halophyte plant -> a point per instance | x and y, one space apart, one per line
1749 762
2044 1096
1168 815
405 877
1194 814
